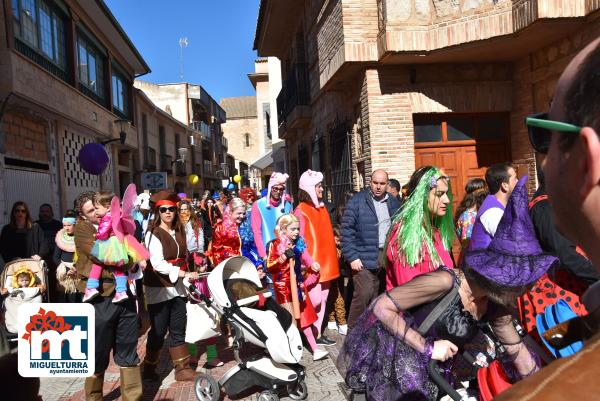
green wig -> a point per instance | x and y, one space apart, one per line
417 224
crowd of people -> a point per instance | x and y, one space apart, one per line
392 268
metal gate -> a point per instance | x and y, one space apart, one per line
30 186
341 160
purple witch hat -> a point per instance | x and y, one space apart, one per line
514 259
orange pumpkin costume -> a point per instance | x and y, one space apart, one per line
315 227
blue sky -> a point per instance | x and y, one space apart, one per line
220 35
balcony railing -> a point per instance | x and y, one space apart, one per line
203 128
294 92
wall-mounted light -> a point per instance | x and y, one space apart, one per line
123 124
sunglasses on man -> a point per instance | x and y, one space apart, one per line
540 131
166 209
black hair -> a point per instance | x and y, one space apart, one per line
496 175
70 213
414 181
476 191
394 183
581 99
46 205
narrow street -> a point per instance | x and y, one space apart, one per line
322 377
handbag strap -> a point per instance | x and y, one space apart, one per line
437 311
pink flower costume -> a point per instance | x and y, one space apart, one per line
116 246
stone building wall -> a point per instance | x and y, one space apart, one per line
235 130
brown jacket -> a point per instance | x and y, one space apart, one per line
572 378
85 235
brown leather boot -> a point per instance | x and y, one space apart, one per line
181 361
131 384
149 365
93 387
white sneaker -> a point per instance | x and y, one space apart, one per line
319 354
343 329
332 325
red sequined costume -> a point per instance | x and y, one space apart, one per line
281 278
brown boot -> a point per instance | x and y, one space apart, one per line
181 361
131 384
93 387
149 364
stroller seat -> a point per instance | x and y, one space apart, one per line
19 296
238 296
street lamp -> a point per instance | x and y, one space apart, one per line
123 123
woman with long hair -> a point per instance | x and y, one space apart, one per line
421 235
21 237
194 233
435 314
475 192
164 289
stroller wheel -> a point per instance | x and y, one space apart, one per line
298 391
207 388
267 396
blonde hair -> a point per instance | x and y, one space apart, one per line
284 221
235 203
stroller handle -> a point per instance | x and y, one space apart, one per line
438 379
253 298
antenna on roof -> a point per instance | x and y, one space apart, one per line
183 42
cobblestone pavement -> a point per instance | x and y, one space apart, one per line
323 379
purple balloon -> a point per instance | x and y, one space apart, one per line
93 158
182 195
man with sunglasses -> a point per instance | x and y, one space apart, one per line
267 210
572 172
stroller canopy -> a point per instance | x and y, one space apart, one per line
237 267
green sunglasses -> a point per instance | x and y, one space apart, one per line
540 130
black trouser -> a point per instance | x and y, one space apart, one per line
116 330
165 315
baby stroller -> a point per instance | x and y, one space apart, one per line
238 297
15 297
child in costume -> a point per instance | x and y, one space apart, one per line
115 244
288 251
24 280
66 274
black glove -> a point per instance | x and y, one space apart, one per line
289 253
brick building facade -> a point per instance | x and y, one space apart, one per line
67 70
399 84
66 74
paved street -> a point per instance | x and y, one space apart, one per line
323 379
